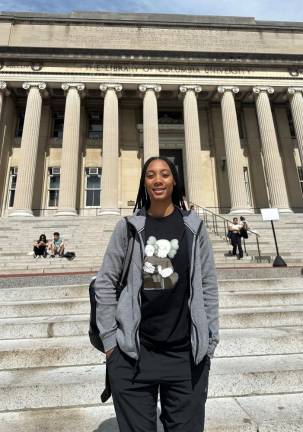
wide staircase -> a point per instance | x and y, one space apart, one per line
88 237
51 378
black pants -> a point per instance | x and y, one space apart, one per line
182 386
236 243
40 251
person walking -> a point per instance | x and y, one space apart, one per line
235 237
160 336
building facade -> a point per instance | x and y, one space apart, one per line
85 99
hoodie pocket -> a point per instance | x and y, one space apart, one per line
200 326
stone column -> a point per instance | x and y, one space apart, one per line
2 94
296 104
233 151
192 142
70 150
272 161
150 120
110 151
29 150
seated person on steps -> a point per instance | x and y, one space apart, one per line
40 247
56 247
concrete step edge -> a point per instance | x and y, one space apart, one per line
86 374
241 414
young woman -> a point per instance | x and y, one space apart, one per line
40 247
160 335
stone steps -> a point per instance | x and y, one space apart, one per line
77 324
221 250
263 284
44 326
80 385
92 269
259 286
261 316
101 228
80 305
46 307
77 264
251 298
44 292
270 413
51 377
77 350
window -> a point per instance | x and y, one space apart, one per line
170 117
53 186
247 186
20 123
92 187
300 174
58 122
94 125
291 124
12 186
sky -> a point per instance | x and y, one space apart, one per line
274 10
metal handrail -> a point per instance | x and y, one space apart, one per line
211 219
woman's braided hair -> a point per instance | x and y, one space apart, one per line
143 200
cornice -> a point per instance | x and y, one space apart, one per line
151 20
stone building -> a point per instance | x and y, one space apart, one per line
86 98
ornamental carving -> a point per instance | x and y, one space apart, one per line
117 87
39 85
292 90
77 86
186 88
258 90
155 87
223 89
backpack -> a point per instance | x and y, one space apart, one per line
244 233
93 331
93 328
69 255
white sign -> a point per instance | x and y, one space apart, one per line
270 214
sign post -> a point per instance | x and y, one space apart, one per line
271 214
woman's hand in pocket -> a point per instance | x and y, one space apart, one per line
109 352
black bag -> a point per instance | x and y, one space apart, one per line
93 328
229 235
244 233
69 255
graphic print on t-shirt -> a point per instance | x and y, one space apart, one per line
158 271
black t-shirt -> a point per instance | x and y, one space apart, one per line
165 291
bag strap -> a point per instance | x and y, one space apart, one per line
128 256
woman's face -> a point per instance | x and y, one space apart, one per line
159 181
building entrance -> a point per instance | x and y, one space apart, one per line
175 156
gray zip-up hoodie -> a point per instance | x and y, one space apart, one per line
118 322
